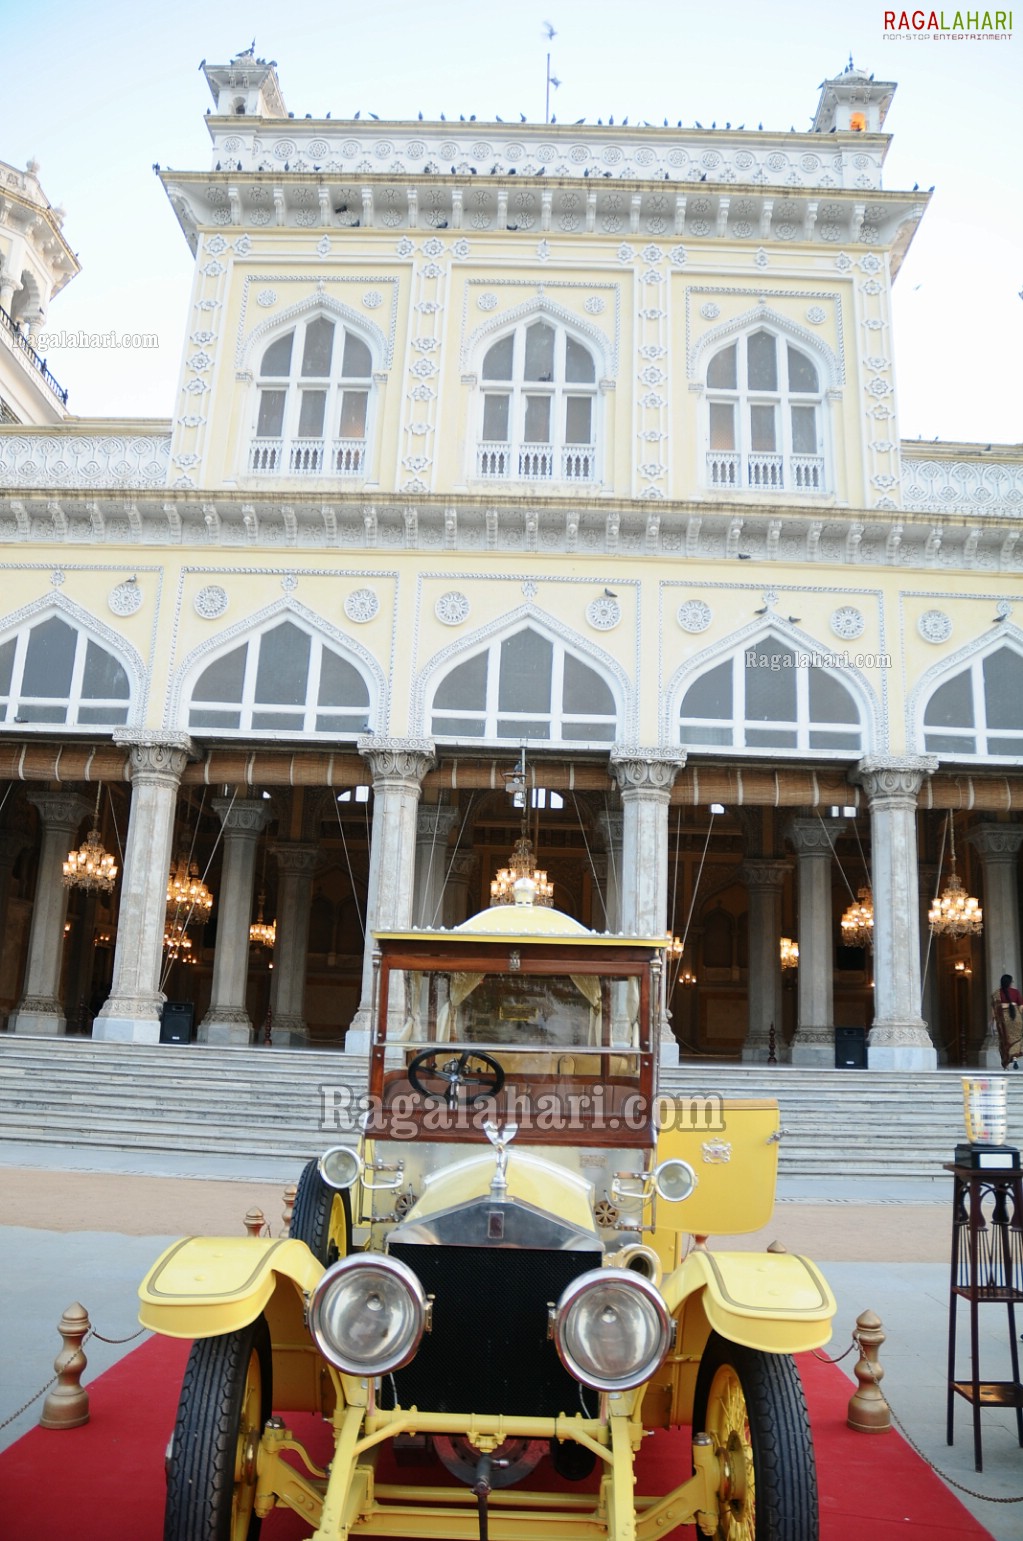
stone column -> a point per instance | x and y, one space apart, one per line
460 893
433 826
998 846
814 1042
227 1020
296 865
40 1009
131 1012
898 1039
398 767
645 778
610 825
764 883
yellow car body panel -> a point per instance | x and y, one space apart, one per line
531 1179
775 1301
732 1146
202 1286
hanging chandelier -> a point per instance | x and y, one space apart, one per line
187 894
521 868
955 912
858 921
789 951
91 867
262 933
177 944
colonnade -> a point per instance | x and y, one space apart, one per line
415 879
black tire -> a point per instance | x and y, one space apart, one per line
752 1406
322 1217
226 1397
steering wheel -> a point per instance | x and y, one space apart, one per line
458 1073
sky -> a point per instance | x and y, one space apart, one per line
114 87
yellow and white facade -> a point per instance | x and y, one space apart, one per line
582 437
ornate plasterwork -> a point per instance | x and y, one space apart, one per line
317 300
211 602
543 622
644 770
762 314
934 626
401 762
69 459
361 605
893 781
694 615
541 304
958 486
126 598
222 641
953 663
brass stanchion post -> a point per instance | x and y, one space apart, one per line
869 1413
67 1405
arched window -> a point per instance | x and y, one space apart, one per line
312 402
285 680
768 696
539 407
980 709
54 673
765 430
525 686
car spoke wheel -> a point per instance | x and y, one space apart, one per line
752 1406
211 1469
321 1217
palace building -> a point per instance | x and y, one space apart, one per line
534 481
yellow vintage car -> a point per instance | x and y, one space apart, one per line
507 1271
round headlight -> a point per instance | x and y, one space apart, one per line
674 1179
612 1329
368 1314
340 1166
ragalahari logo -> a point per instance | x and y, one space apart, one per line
941 26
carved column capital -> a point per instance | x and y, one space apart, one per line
291 856
646 770
157 757
812 837
997 843
893 781
402 761
463 867
434 823
60 810
610 826
764 874
243 817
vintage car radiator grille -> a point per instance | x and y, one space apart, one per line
488 1351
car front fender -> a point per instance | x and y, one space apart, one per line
775 1301
202 1286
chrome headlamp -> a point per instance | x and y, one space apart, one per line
612 1329
341 1166
674 1179
368 1314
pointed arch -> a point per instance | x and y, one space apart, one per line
566 707
763 315
541 307
77 672
772 688
970 704
305 309
329 686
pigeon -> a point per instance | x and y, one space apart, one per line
760 125
698 124
610 594
374 117
578 121
916 187
522 117
358 115
743 556
497 119
625 123
793 620
420 117
740 127
761 611
703 176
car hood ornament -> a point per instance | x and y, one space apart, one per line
500 1139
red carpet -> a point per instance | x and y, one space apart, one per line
104 1481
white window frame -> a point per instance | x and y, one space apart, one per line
737 724
784 471
74 701
328 457
980 733
518 459
359 717
555 716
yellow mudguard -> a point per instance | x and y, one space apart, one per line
776 1301
203 1286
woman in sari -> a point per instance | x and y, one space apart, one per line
1007 1010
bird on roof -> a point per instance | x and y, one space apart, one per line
760 125
374 117
497 119
625 122
358 115
610 594
522 117
744 556
420 117
580 120
793 620
916 187
698 123
740 126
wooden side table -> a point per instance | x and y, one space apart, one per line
987 1269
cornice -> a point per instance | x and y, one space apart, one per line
766 532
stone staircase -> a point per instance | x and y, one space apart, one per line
266 1103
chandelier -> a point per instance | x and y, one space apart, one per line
91 867
789 951
522 869
955 912
187 894
858 921
262 933
177 944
